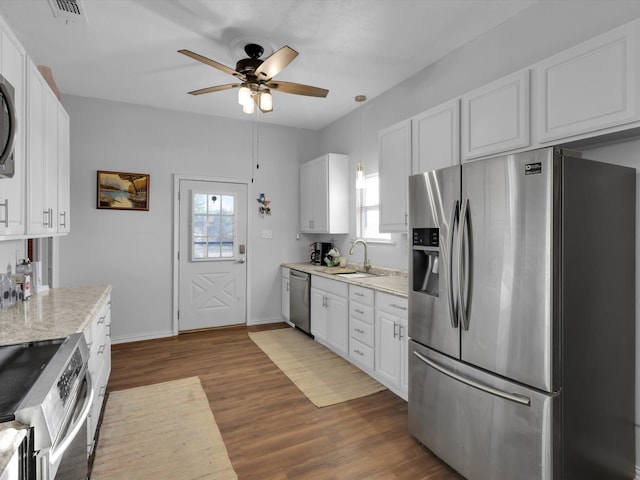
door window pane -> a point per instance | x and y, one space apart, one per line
213 226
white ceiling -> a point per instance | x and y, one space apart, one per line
128 49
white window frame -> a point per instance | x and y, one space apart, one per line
361 208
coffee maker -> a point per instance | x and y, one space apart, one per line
319 250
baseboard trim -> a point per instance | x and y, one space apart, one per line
142 336
265 321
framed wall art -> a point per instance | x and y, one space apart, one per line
123 191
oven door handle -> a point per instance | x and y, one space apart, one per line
58 451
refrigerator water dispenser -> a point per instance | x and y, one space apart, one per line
426 262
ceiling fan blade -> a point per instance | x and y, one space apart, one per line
298 89
275 63
217 88
211 63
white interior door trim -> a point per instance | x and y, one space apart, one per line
177 177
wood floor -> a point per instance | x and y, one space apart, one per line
271 430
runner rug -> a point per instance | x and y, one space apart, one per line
322 376
162 431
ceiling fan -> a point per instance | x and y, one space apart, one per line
256 77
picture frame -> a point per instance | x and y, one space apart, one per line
122 190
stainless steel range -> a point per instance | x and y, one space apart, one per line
47 386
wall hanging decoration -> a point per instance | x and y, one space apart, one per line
264 208
123 191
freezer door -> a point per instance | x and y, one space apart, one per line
508 268
434 200
485 427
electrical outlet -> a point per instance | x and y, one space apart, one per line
267 233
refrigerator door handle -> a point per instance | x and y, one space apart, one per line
453 221
462 278
513 397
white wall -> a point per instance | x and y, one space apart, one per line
11 253
132 250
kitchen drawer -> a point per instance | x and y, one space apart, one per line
397 306
362 332
361 354
361 312
361 295
341 289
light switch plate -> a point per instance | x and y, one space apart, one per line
267 233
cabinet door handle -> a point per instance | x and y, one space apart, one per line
45 217
395 331
63 221
6 212
400 336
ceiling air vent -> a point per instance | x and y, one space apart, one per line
70 10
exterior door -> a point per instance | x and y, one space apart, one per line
508 229
212 264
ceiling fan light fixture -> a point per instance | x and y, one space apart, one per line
248 107
244 95
266 101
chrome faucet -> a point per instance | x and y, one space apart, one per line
367 265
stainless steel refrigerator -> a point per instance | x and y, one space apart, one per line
522 317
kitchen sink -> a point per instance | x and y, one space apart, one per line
358 275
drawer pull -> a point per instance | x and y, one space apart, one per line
359 330
359 311
359 352
401 307
358 294
101 321
101 349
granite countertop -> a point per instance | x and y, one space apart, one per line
54 313
388 280
11 435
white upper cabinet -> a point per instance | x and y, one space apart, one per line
324 194
42 165
394 164
495 117
436 138
36 172
64 172
12 198
589 87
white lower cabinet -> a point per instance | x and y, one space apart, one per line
391 342
98 337
285 294
330 314
361 327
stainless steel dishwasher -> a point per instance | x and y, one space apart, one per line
300 285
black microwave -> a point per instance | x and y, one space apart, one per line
7 128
